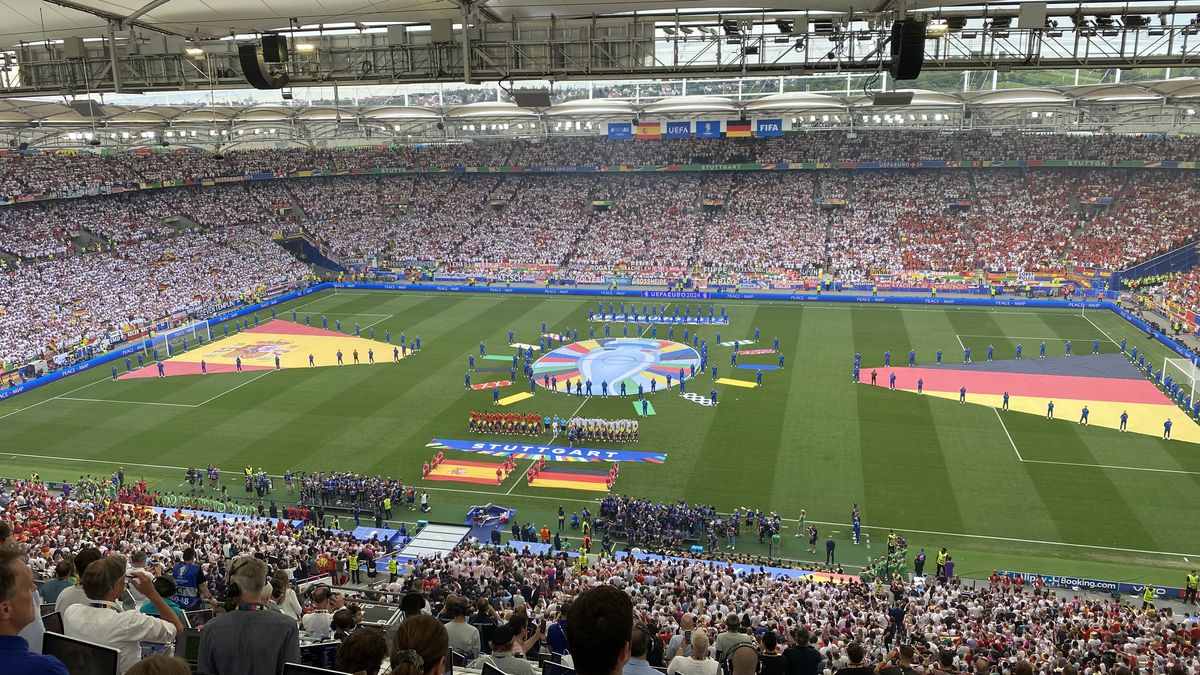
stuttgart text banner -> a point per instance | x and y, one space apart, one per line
560 453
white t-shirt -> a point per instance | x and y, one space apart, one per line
317 625
72 595
108 625
686 665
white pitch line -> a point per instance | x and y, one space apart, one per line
1112 466
1086 318
960 342
1008 539
1115 467
1026 337
351 314
47 400
115 400
385 318
1008 435
315 300
257 377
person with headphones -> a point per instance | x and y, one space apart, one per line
742 659
248 640
639 648
325 602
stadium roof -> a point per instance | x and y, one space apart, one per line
34 20
23 112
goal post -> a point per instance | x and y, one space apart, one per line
175 341
1183 371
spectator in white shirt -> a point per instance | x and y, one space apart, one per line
102 620
317 624
698 662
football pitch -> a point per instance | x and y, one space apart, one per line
1001 490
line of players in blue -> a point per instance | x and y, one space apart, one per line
657 314
1172 388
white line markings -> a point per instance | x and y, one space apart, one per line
1008 435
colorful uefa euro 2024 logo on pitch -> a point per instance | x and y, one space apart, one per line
632 361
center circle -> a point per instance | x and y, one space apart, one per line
650 363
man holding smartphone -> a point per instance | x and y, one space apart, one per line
681 641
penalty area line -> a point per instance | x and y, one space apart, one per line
47 400
1008 435
116 400
253 379
1114 467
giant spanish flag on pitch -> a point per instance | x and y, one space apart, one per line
464 471
292 343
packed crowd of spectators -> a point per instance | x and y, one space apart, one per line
768 224
130 254
896 146
53 173
1012 229
503 607
51 228
653 223
96 296
987 145
1154 214
531 219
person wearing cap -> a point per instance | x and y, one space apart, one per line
502 655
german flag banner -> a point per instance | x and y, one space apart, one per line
572 478
738 129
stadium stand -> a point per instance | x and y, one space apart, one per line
951 621
729 227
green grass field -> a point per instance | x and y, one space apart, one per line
940 473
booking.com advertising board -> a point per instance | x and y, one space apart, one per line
1098 585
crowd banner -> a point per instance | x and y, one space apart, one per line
1101 585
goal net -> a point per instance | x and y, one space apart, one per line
178 340
1183 374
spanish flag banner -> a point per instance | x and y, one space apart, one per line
649 130
739 129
